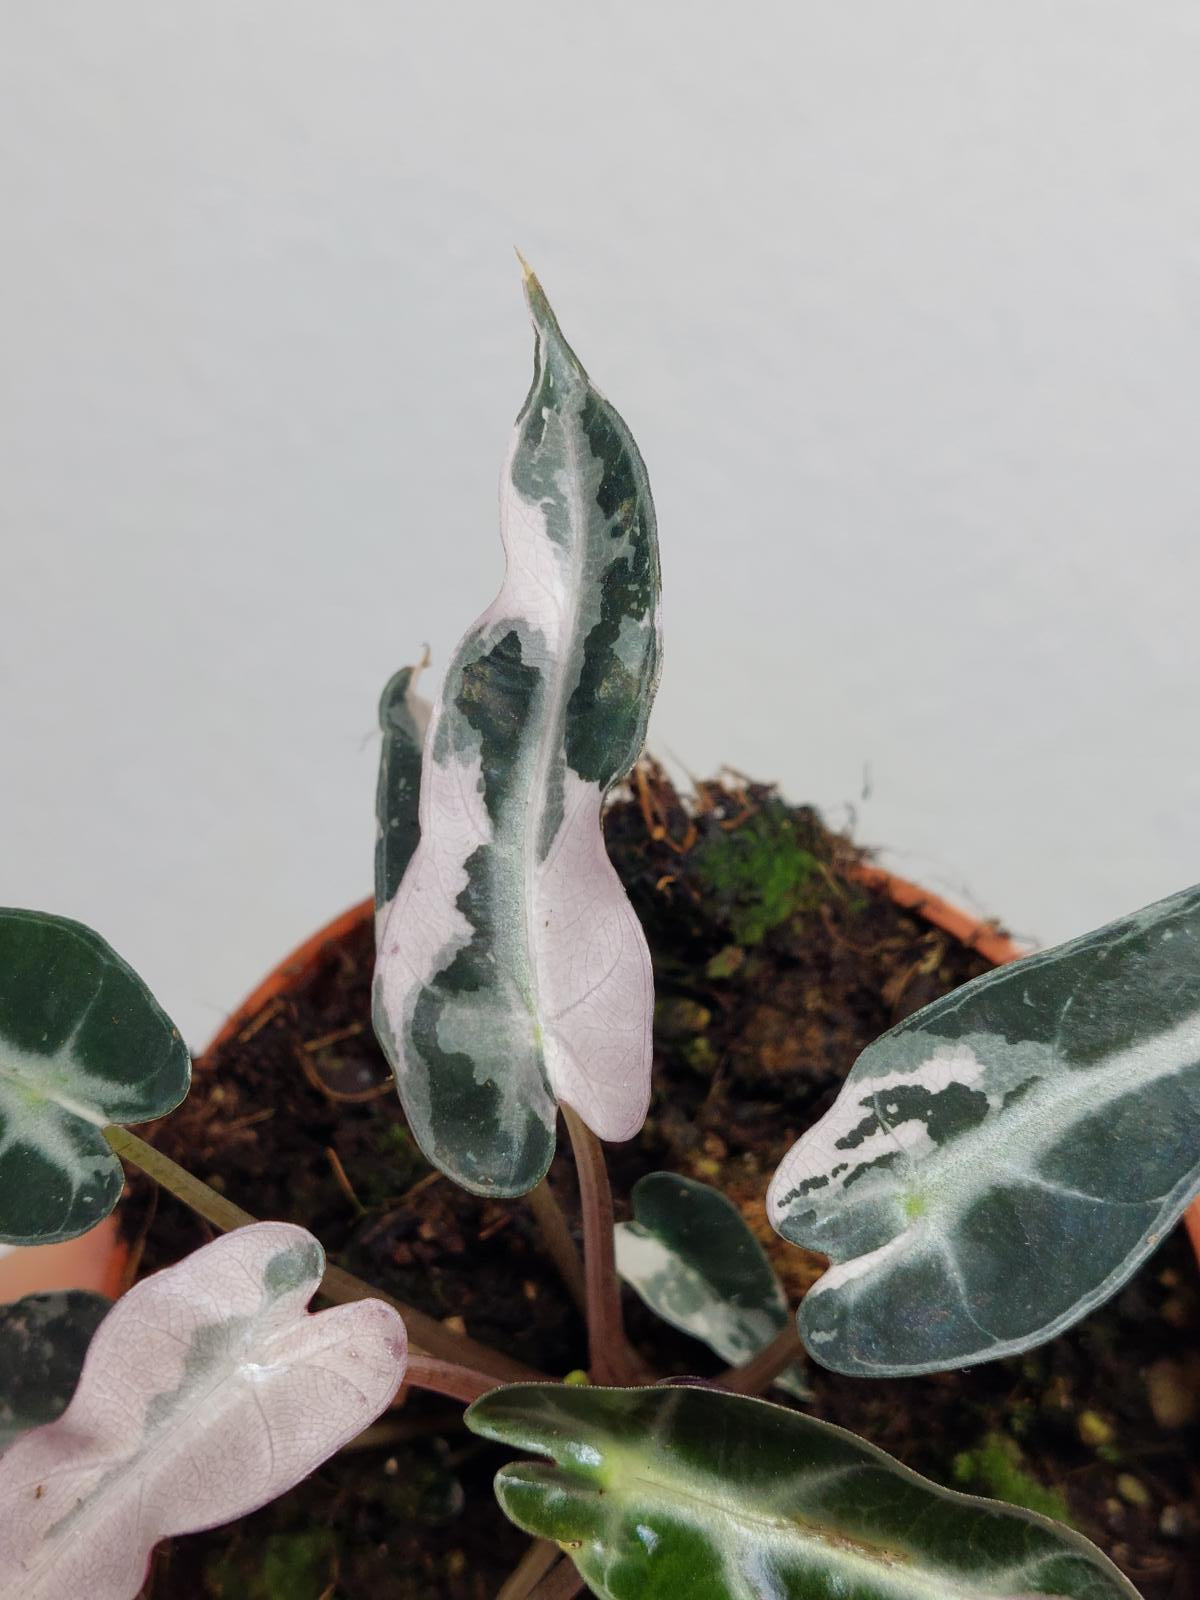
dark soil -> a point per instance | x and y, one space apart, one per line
774 967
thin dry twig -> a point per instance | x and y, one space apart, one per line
347 1097
343 1182
311 1046
530 1570
267 1014
563 1583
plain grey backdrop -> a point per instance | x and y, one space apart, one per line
901 301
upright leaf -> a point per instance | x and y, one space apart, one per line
83 1043
207 1391
43 1340
403 719
661 1493
999 1163
691 1257
512 972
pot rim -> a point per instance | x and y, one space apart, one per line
976 933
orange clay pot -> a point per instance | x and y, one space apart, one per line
98 1259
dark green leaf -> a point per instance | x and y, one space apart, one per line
999 1163
403 718
83 1043
692 1258
663 1493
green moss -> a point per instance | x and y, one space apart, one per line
285 1566
398 1166
996 1467
760 874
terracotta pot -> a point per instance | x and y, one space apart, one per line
98 1259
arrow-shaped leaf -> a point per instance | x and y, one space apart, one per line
692 1258
43 1340
660 1493
83 1043
999 1163
512 971
207 1391
403 719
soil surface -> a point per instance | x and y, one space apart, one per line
774 968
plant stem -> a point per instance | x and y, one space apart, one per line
609 1357
562 1583
426 1333
560 1246
761 1370
447 1377
169 1175
531 1569
401 1431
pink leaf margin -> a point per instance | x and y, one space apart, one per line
207 1391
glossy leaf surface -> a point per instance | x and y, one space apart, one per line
83 1043
43 1340
403 720
666 1492
207 1391
692 1258
999 1163
512 972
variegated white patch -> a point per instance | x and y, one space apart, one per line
512 972
999 1163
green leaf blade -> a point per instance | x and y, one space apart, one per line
83 1043
1000 1163
691 1257
403 720
657 1493
512 972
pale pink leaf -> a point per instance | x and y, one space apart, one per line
207 1391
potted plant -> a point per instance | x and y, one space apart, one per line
995 1166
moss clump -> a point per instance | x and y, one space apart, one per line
400 1164
285 1566
996 1467
760 873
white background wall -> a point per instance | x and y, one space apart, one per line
901 301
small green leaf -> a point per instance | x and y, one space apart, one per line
83 1043
403 719
666 1492
690 1256
43 1340
999 1163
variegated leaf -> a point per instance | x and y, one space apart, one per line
999 1163
43 1340
669 1492
207 1391
83 1043
691 1257
512 972
403 719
